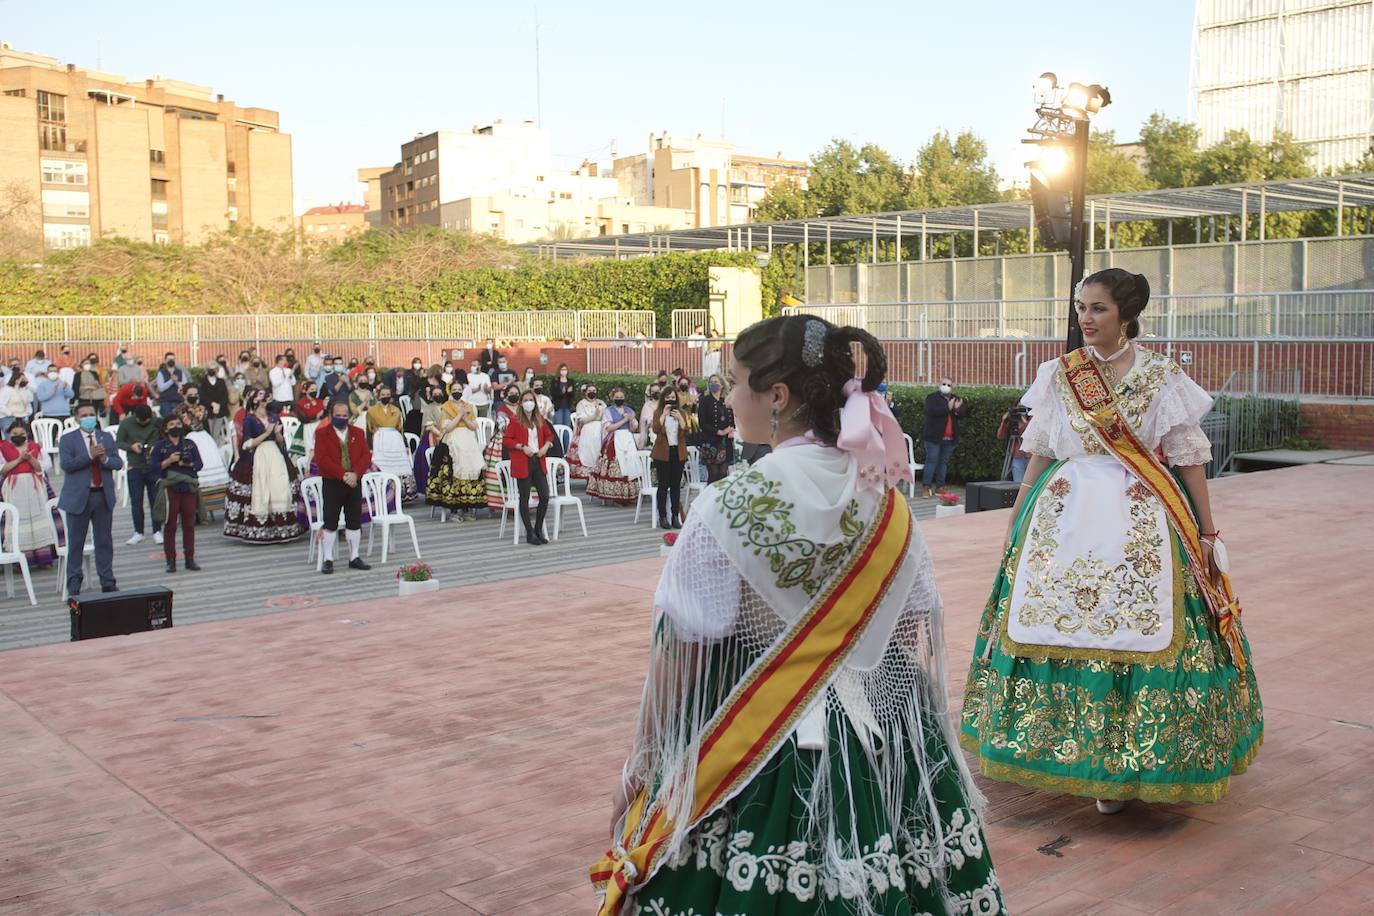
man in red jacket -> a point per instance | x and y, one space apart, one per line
343 458
129 396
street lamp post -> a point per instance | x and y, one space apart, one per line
1061 132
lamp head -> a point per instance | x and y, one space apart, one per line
1046 83
1075 102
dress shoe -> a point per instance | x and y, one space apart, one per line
171 565
192 565
327 567
109 588
1105 806
358 563
665 524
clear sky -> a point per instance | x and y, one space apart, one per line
352 81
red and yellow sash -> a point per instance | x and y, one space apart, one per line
764 706
1098 405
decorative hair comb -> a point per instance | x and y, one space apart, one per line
813 343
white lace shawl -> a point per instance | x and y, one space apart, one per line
750 559
1163 405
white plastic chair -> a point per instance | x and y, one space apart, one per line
564 434
13 554
560 497
913 464
87 554
486 428
510 501
376 486
405 403
312 492
46 431
121 479
692 483
412 444
646 490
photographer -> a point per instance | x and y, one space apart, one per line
177 460
944 410
669 457
1013 427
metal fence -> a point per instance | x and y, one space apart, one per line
686 321
1319 264
202 337
1343 314
614 357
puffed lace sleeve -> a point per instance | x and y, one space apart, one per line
700 586
1174 420
1043 430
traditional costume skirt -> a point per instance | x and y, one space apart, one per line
390 455
750 857
618 471
29 493
420 465
214 474
456 478
263 504
491 480
1160 713
585 450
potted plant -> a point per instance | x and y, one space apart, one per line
669 539
949 504
416 577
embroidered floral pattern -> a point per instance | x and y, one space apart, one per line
759 515
795 868
1087 594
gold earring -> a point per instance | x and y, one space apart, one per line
1121 339
773 428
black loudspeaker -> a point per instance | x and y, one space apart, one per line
990 494
133 610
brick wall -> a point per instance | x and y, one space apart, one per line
1338 425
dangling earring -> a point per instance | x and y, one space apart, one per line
773 428
1121 340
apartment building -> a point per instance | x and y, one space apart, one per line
719 186
161 160
333 223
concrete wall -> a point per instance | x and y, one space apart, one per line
19 169
122 199
200 196
268 182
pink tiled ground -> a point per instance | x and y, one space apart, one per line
454 754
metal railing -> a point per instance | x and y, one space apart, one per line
686 321
649 357
1314 314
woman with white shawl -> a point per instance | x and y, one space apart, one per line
615 479
794 751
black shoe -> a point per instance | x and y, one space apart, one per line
540 539
327 567
171 565
192 565
109 588
665 524
358 563
677 523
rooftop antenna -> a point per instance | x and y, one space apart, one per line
538 83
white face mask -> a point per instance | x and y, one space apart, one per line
86 366
945 389
447 376
529 406
52 376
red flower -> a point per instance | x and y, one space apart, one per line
670 538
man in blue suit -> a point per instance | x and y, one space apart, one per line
89 458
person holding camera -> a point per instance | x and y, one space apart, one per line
176 461
669 456
944 410
1011 430
171 378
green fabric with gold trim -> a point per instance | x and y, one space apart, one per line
750 857
1174 732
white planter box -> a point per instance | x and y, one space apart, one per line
947 511
664 549
415 588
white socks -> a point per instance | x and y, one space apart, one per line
327 545
355 538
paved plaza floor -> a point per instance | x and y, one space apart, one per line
455 753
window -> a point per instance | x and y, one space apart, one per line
159 189
52 137
60 235
624 228
64 171
52 107
161 238
233 214
157 156
66 204
18 93
229 169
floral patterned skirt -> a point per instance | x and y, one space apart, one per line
749 858
1171 732
609 483
276 528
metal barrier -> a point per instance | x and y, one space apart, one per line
686 321
1313 314
650 357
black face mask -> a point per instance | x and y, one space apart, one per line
439 397
192 398
619 402
684 386
19 440
512 399
670 402
384 398
174 432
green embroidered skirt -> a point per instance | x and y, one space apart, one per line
1174 732
752 857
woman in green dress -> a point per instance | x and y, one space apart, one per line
794 751
1109 661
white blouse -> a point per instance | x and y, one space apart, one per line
1163 405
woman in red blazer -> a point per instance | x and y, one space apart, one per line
528 439
342 471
